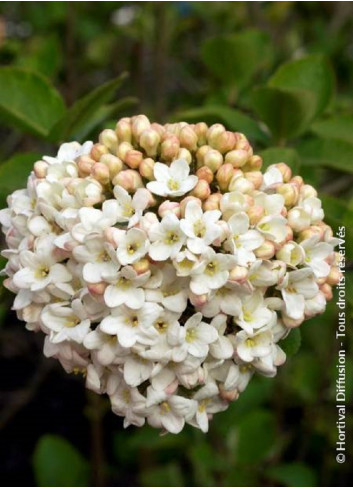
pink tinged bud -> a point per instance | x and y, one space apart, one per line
111 236
184 154
186 200
326 289
100 172
224 176
133 158
167 206
85 164
114 164
188 138
141 266
285 170
130 180
291 323
98 150
201 190
213 134
212 203
224 233
255 177
171 388
109 139
228 396
158 128
238 274
146 168
255 213
123 130
225 142
149 141
198 300
297 180
201 130
253 164
243 143
237 158
97 289
266 251
290 193
204 173
334 276
289 234
170 148
148 220
123 148
241 184
310 232
213 160
40 169
200 155
307 191
139 123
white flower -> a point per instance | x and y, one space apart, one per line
129 208
172 293
129 403
66 322
273 204
166 237
222 348
209 402
200 228
254 315
232 203
198 335
312 206
126 289
132 247
93 221
106 347
173 181
69 152
291 253
257 346
98 259
224 300
243 240
132 325
272 177
184 263
315 255
296 288
136 370
273 228
212 272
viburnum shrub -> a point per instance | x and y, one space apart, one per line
163 264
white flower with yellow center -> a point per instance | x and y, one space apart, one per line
105 348
198 335
242 240
248 348
316 254
272 204
200 227
166 237
132 246
297 287
173 180
68 152
126 287
232 203
212 272
209 403
129 208
98 258
184 263
273 228
291 253
128 402
254 315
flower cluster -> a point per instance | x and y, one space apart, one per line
165 266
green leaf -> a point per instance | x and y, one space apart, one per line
84 110
28 101
340 127
287 113
295 474
14 173
42 55
332 153
291 344
256 432
234 59
274 155
312 73
57 463
234 120
169 475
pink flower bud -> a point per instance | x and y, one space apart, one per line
114 164
40 169
130 180
255 213
188 138
123 130
213 134
224 233
289 235
139 123
255 177
123 148
198 300
290 193
111 235
241 184
291 323
149 141
326 289
186 200
228 396
172 387
109 139
254 163
225 141
159 128
243 143
213 160
212 202
184 154
167 206
201 130
100 172
237 158
97 151
141 266
297 180
170 148
285 170
146 168
133 158
97 289
200 155
201 190
334 276
204 173
149 219
238 274
266 251
224 176
84 164
307 191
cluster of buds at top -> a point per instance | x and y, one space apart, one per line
166 266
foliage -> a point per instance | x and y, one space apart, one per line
278 71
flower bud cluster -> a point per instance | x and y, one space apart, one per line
165 266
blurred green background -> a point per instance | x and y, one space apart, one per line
282 73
